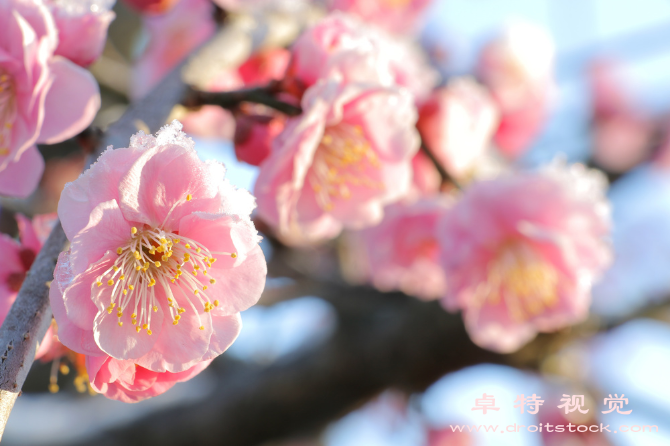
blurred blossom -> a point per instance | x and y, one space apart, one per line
517 67
151 6
172 36
271 333
426 179
388 420
254 134
189 217
359 52
397 16
253 6
43 98
447 437
82 28
457 124
641 219
517 262
402 252
552 414
340 162
622 133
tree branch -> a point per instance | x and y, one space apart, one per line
232 99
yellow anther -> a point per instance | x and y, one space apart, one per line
187 246
133 230
216 303
138 329
175 322
178 266
195 291
212 281
123 277
152 282
134 321
195 273
172 280
110 282
165 258
204 287
146 265
188 197
109 310
134 316
115 268
131 287
64 369
112 305
53 388
202 328
119 251
144 326
160 249
163 240
152 251
120 324
234 255
176 240
181 310
125 292
177 317
204 271
169 299
212 260
198 249
149 332
119 314
138 267
157 263
155 308
196 267
98 283
137 255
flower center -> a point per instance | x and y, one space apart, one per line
155 257
7 112
340 162
525 283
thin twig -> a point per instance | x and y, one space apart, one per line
232 99
446 177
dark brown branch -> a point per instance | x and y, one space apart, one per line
232 99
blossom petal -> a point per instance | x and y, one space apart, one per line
20 177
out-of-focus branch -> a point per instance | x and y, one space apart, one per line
446 177
232 99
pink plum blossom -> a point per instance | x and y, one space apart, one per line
457 124
521 253
396 16
16 260
622 136
130 383
82 28
163 258
172 36
254 135
517 67
358 51
340 162
43 98
151 6
403 252
426 179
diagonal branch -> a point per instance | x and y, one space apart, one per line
232 99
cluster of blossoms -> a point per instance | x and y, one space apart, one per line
163 258
45 95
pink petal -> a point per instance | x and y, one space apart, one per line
124 342
27 233
106 231
164 175
98 184
71 103
226 330
20 177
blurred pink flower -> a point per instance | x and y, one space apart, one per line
43 98
82 28
254 135
517 67
264 66
447 437
340 162
521 253
158 269
402 252
130 383
457 124
426 179
172 36
151 6
396 16
16 260
361 53
622 133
